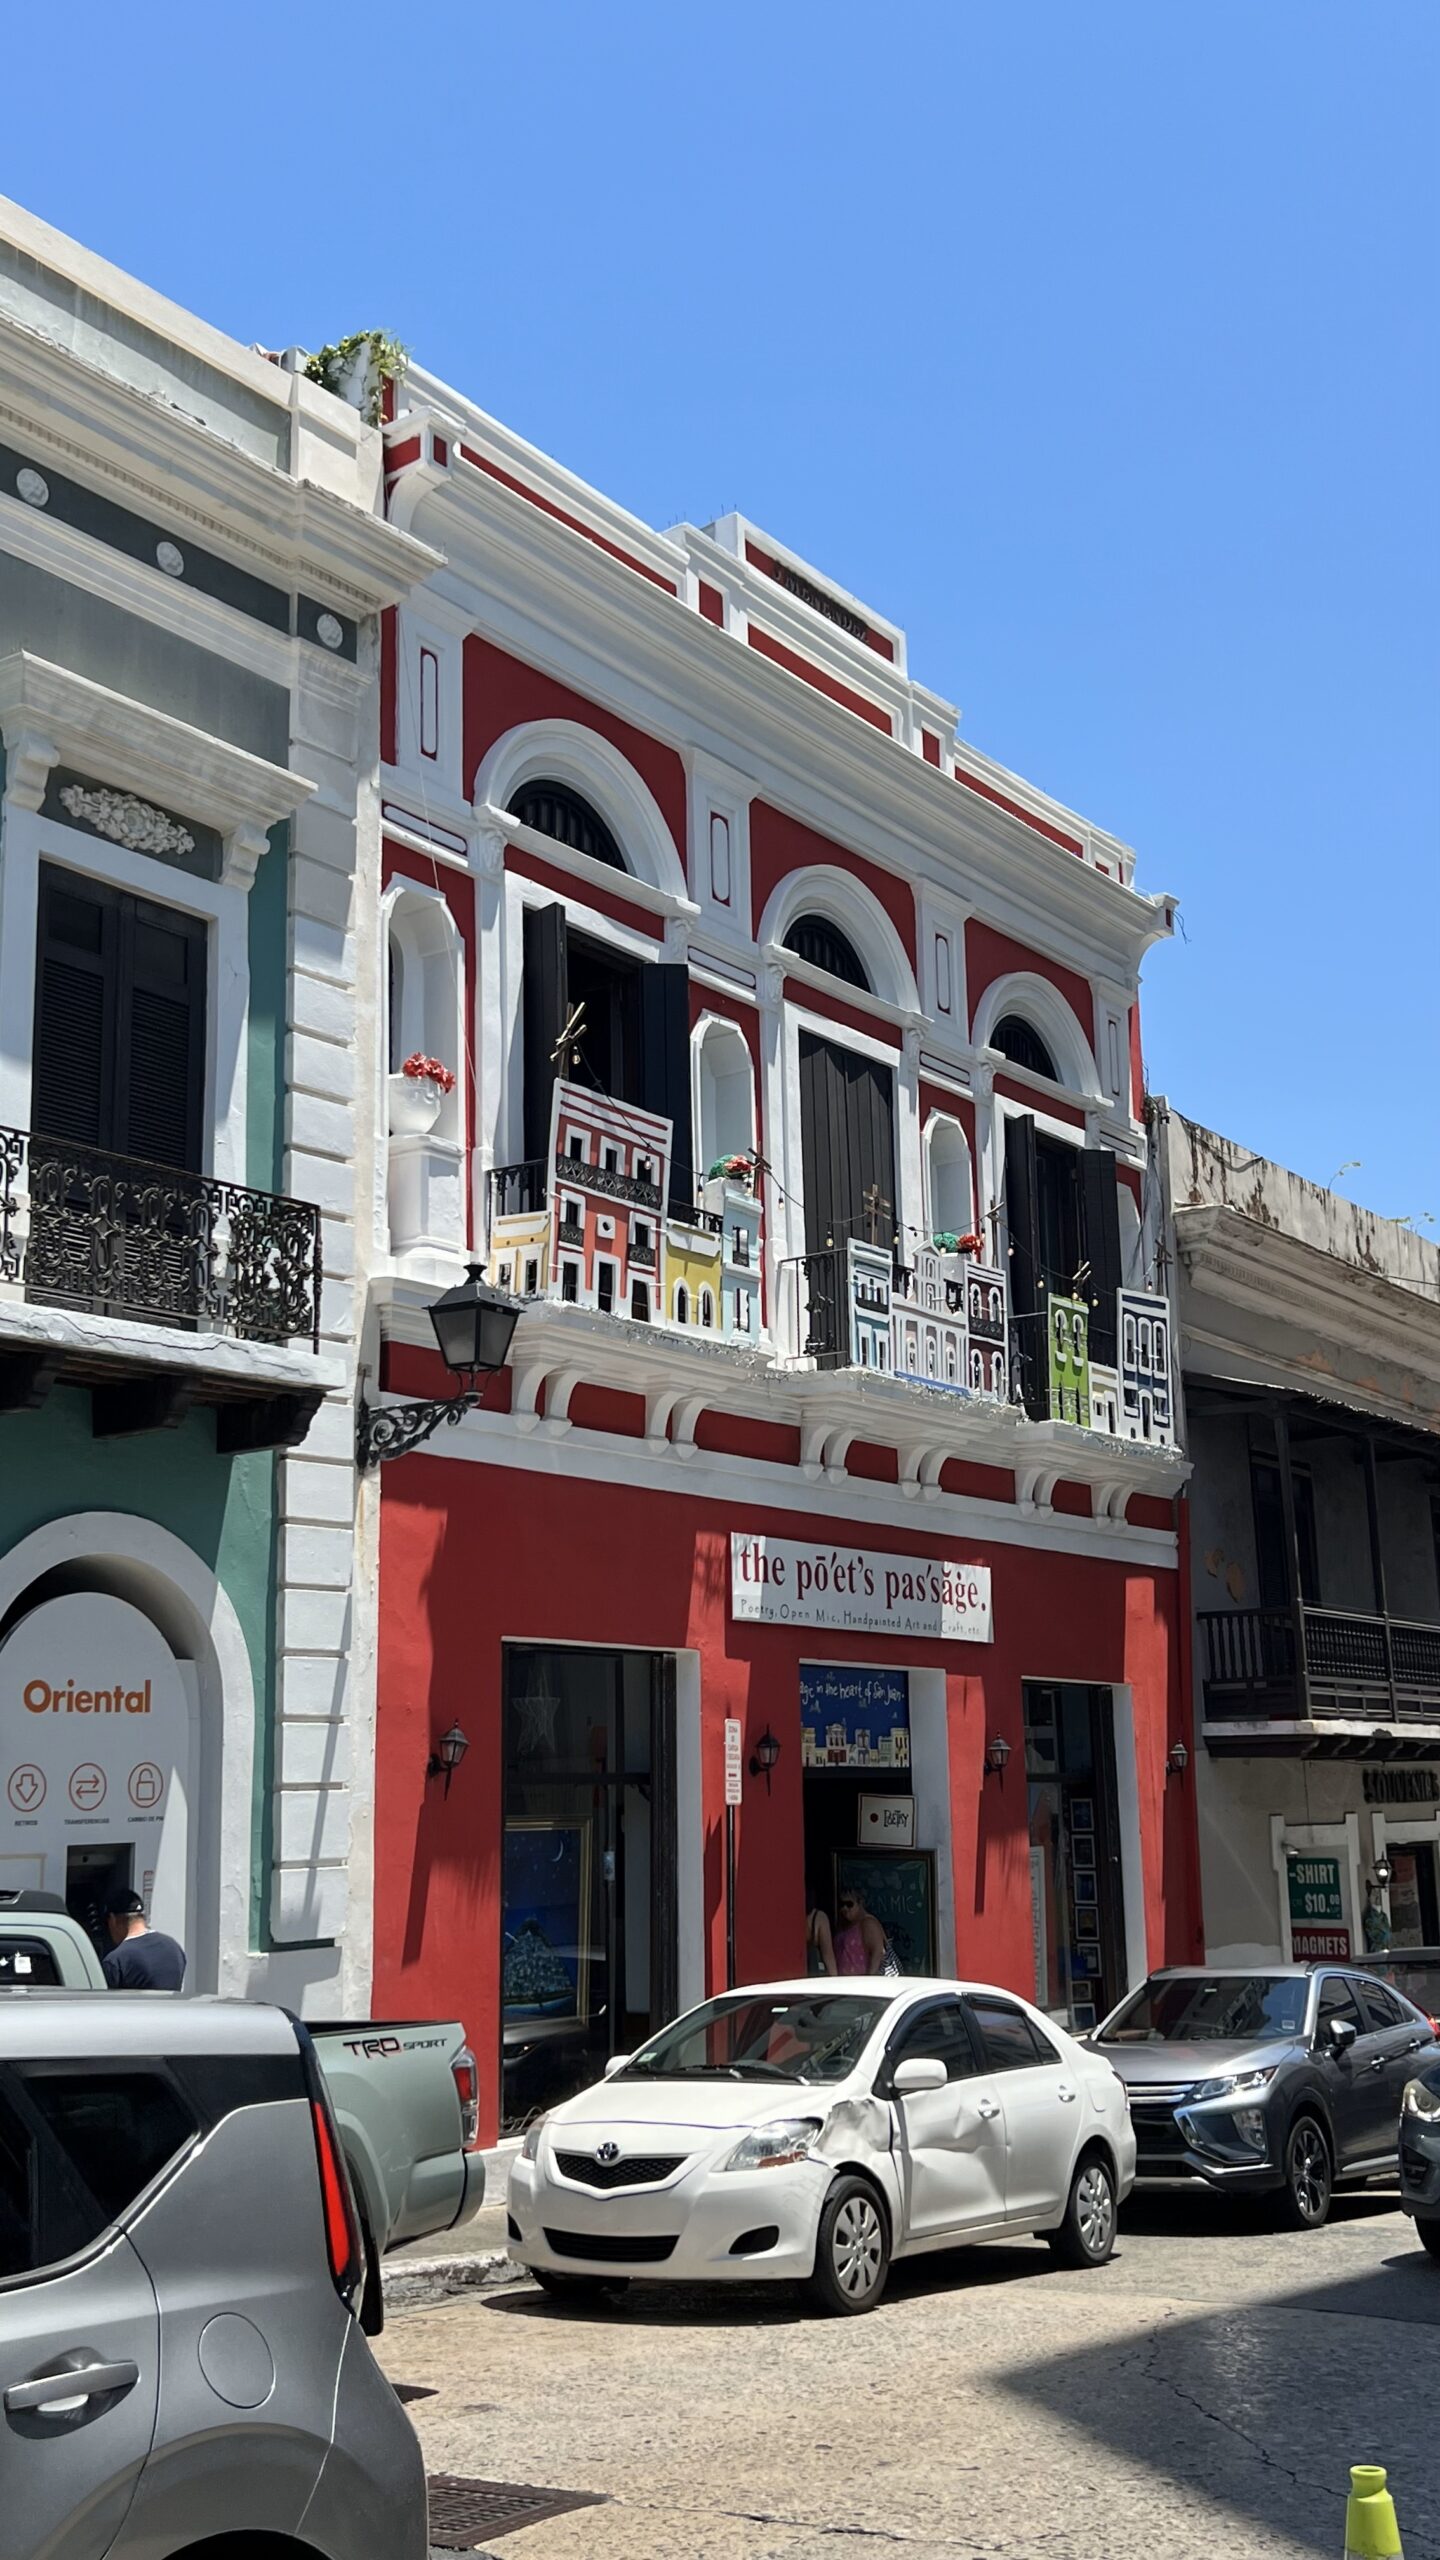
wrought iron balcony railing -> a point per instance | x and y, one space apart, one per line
1349 1665
520 1190
614 1185
112 1235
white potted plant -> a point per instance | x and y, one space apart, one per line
417 1095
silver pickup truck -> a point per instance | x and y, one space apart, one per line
405 2094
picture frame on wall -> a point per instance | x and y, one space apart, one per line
1087 1886
1082 1813
1087 1922
899 1888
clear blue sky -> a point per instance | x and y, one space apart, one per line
1098 346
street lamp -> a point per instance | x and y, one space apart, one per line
447 1755
474 1325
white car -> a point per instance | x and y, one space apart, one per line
818 2129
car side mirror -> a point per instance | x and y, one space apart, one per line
1341 2032
922 2071
616 2063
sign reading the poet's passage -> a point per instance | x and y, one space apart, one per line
789 1582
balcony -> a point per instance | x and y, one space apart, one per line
156 1254
1321 1666
610 1184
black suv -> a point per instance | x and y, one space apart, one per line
1283 2078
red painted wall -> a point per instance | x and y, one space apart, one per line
990 955
472 1554
779 845
501 692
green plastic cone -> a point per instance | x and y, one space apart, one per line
1371 2532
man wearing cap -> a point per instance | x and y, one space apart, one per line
140 1958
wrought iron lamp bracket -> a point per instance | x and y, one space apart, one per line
391 1430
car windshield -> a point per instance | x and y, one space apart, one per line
1211 2008
802 2035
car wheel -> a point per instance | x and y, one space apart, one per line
1305 2195
1087 2235
578 2288
1427 2232
852 2249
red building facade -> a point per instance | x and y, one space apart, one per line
798 1100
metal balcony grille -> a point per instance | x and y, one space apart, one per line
615 1186
112 1235
1353 1665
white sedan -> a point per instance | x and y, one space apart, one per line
818 2129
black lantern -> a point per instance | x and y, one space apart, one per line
474 1327
1382 1872
764 1757
997 1752
447 1755
1177 1760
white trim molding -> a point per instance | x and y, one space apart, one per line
564 751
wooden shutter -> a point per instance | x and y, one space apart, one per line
665 1067
1027 1287
160 1044
847 1140
1100 1213
545 992
76 991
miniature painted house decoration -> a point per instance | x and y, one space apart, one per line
1068 1360
928 1321
870 1273
1147 1407
1104 1399
989 1355
589 1226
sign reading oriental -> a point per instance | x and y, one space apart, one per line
796 1583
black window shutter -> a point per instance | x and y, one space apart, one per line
847 1145
1027 1287
160 1047
665 1066
1101 1210
73 1090
545 990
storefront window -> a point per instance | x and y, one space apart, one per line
588 1929
1076 1897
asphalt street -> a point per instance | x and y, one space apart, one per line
1205 2394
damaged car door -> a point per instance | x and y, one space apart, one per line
949 2138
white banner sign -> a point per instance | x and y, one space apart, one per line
734 1748
787 1582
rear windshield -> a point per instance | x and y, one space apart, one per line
1416 1977
815 2035
1210 2008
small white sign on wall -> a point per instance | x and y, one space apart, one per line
886 1822
734 1748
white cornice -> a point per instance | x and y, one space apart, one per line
1337 1308
583 866
527 583
50 716
151 458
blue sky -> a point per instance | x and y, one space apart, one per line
1097 346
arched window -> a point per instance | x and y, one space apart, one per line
553 809
816 939
707 1307
1020 1042
947 1160
726 1094
682 1303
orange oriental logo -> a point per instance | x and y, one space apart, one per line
42 1700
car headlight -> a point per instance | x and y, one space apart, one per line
1419 2099
1234 2084
775 2146
531 2143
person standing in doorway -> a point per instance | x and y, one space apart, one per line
861 1945
140 1958
819 1943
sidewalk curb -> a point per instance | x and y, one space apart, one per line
424 2280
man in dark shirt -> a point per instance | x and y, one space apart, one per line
140 1958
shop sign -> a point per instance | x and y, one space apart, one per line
853 1717
1319 1946
790 1582
734 1747
1401 1786
886 1822
1317 1909
94 1735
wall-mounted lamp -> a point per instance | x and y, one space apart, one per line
997 1752
1177 1760
1382 1872
447 1755
473 1326
764 1757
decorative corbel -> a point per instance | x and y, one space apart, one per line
29 756
241 854
559 1388
1034 1487
688 1410
490 843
